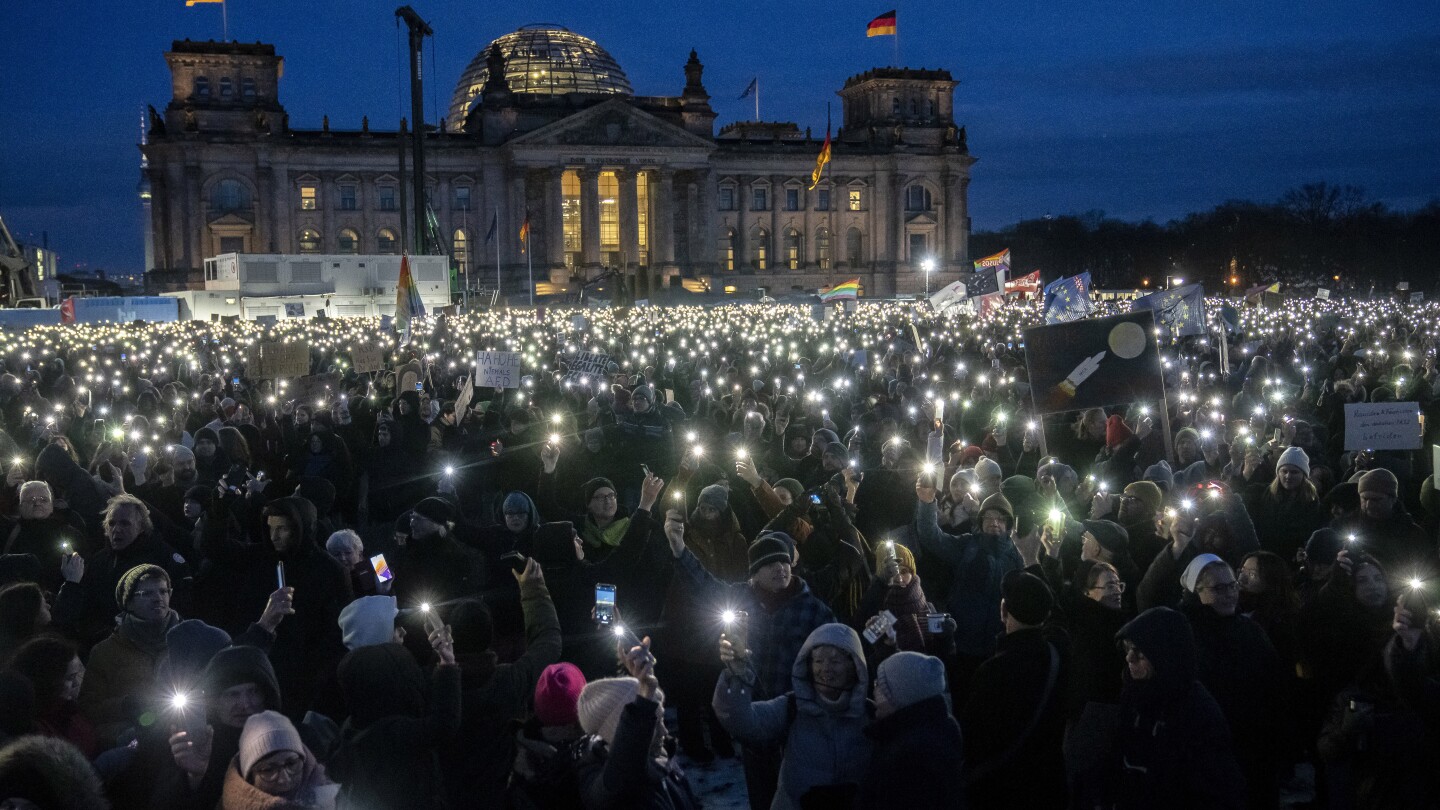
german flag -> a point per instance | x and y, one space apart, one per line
820 161
525 233
882 26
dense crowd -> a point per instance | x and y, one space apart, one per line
844 549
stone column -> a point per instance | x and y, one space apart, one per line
960 213
662 240
629 221
703 250
554 219
196 231
590 220
329 199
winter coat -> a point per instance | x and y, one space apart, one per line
316 791
120 674
978 562
51 773
86 609
1096 663
71 483
918 760
1283 524
437 569
824 745
1172 747
48 539
1397 542
1005 696
624 776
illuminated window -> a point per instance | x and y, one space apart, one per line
610 216
349 241
642 216
822 248
387 198
762 249
727 250
309 198
309 241
857 200
570 217
794 249
461 249
348 200
387 242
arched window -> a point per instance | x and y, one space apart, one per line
461 249
930 108
854 247
917 198
349 241
822 248
794 249
229 195
762 249
387 242
227 88
727 250
895 106
309 241
202 87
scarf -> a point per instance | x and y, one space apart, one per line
908 604
609 536
147 635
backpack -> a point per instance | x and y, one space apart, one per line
547 776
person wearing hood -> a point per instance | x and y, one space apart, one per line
38 530
274 770
978 562
48 772
1015 715
819 721
308 645
512 533
1172 746
919 756
399 723
85 605
211 462
1241 670
69 482
205 728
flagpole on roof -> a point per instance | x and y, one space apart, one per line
897 39
757 99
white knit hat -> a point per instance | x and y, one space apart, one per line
1192 571
602 701
1295 457
987 467
906 678
368 620
264 734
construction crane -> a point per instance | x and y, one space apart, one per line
17 277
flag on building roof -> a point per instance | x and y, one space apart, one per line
525 233
849 289
984 282
1001 259
494 223
1068 299
1179 312
882 26
821 160
407 300
189 3
751 88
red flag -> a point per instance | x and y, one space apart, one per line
67 310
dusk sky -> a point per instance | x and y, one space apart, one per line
1140 109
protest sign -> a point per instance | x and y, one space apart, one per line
463 400
1094 363
1417 297
497 369
587 364
1322 293
367 358
1383 426
278 360
315 387
295 310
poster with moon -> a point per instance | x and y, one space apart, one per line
1094 363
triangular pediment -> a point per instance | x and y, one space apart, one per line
613 123
231 221
921 219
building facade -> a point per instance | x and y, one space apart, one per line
544 128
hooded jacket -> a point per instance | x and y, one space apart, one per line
51 773
978 563
1173 748
70 481
824 744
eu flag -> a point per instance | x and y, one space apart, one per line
1068 299
1179 312
982 282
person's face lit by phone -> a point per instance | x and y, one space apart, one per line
1106 590
1291 478
347 554
517 520
235 705
1250 578
1140 667
832 670
783 495
1370 587
994 521
772 577
1218 589
122 527
282 533
36 502
193 510
603 504
1377 505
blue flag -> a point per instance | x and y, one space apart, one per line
1179 312
1068 299
494 223
754 85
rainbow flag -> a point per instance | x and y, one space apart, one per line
882 26
1001 259
407 298
849 289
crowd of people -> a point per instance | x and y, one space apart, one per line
845 550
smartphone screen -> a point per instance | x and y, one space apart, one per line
382 570
604 603
419 386
815 498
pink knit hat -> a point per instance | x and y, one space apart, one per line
556 694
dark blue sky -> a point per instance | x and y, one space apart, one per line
1141 109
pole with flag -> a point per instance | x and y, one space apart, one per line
529 257
885 25
824 156
408 305
224 17
753 89
490 234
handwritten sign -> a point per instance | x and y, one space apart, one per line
275 359
587 365
316 388
367 358
497 369
1383 426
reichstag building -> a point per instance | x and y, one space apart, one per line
545 125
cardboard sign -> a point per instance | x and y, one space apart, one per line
497 369
367 358
1094 363
467 395
277 360
587 364
1322 293
295 310
1383 426
315 387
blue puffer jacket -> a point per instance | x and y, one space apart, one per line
824 744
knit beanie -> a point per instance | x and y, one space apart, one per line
1062 473
1148 493
1110 535
903 555
436 509
790 485
642 392
970 455
1344 496
987 467
768 548
517 502
1380 480
1323 546
1295 457
189 646
131 579
829 436
1027 597
587 490
368 620
1001 504
1188 432
264 734
1161 475
602 701
1191 576
716 496
906 678
556 694
1116 432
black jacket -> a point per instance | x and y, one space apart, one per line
87 609
624 776
918 760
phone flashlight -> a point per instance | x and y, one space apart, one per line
728 617
449 470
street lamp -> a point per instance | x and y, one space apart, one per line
929 266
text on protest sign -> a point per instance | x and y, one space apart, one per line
587 364
1382 426
275 359
367 358
497 369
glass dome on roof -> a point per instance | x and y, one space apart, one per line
542 59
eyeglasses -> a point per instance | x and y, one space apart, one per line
1226 587
602 497
36 501
290 767
1118 587
151 594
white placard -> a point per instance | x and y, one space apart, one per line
1383 426
497 369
